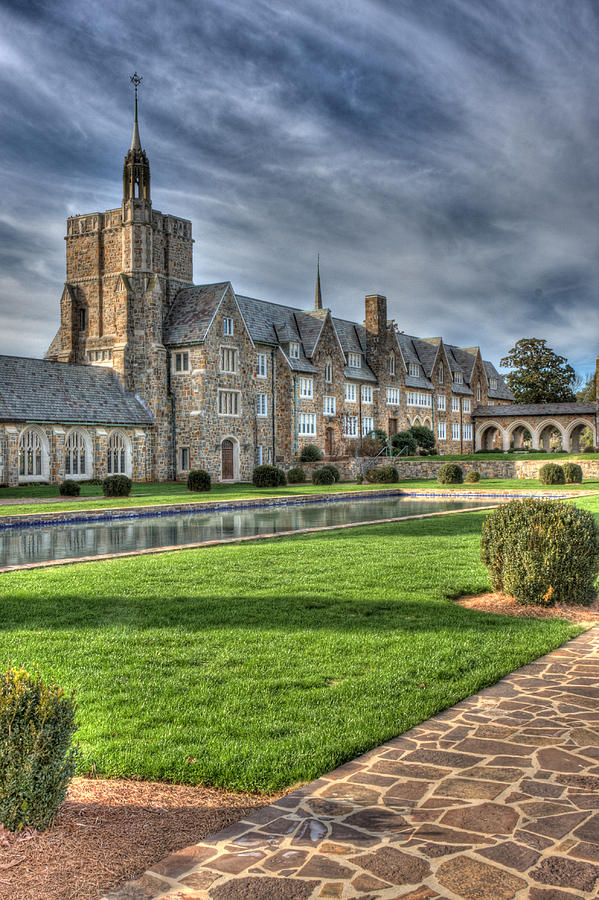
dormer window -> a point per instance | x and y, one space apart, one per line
493 384
294 350
414 370
458 378
228 326
354 360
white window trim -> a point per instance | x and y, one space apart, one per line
306 424
367 393
354 426
441 431
184 354
261 404
294 346
306 383
331 404
393 393
264 358
355 392
354 360
234 370
228 326
441 402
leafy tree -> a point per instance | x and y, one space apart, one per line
540 375
424 436
585 387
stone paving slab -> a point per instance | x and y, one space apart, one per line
494 799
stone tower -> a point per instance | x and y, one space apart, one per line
124 267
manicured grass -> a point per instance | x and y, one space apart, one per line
159 493
257 666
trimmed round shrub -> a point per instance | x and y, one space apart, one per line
268 476
37 723
334 470
472 476
69 488
572 473
117 486
542 552
296 476
450 473
404 440
310 453
382 475
323 476
551 473
198 480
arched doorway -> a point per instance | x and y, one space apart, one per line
520 438
581 436
33 455
329 442
491 438
228 460
118 461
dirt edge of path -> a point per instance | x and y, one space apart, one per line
502 605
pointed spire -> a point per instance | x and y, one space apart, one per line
318 293
135 141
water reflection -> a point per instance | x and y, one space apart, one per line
19 546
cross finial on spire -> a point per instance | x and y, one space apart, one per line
136 80
318 294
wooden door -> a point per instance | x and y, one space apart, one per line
392 427
227 460
329 444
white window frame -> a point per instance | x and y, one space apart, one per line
228 326
294 350
442 431
458 378
118 454
261 404
441 373
351 394
414 370
228 360
479 393
350 426
493 384
306 424
467 432
393 396
231 406
34 456
262 370
466 405
329 405
367 425
328 373
392 364
455 404
181 362
354 360
441 402
367 394
306 390
455 431
78 459
259 455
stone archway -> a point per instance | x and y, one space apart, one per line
552 437
520 435
577 434
490 437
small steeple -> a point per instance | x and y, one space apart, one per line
318 293
135 142
136 171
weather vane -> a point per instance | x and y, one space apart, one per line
136 80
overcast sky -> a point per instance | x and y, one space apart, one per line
442 152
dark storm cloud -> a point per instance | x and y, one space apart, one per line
441 152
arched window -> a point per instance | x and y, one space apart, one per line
118 455
33 456
77 458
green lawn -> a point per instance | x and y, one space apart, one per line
256 666
159 493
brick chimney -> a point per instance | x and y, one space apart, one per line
376 314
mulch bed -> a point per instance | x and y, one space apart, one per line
507 606
108 832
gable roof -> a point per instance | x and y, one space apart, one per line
193 309
502 391
40 390
535 409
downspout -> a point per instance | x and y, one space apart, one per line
359 435
461 424
272 377
295 414
169 390
434 405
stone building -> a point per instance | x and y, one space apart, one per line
152 376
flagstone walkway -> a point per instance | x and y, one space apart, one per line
494 799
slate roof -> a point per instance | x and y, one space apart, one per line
502 391
192 311
39 390
188 320
535 409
